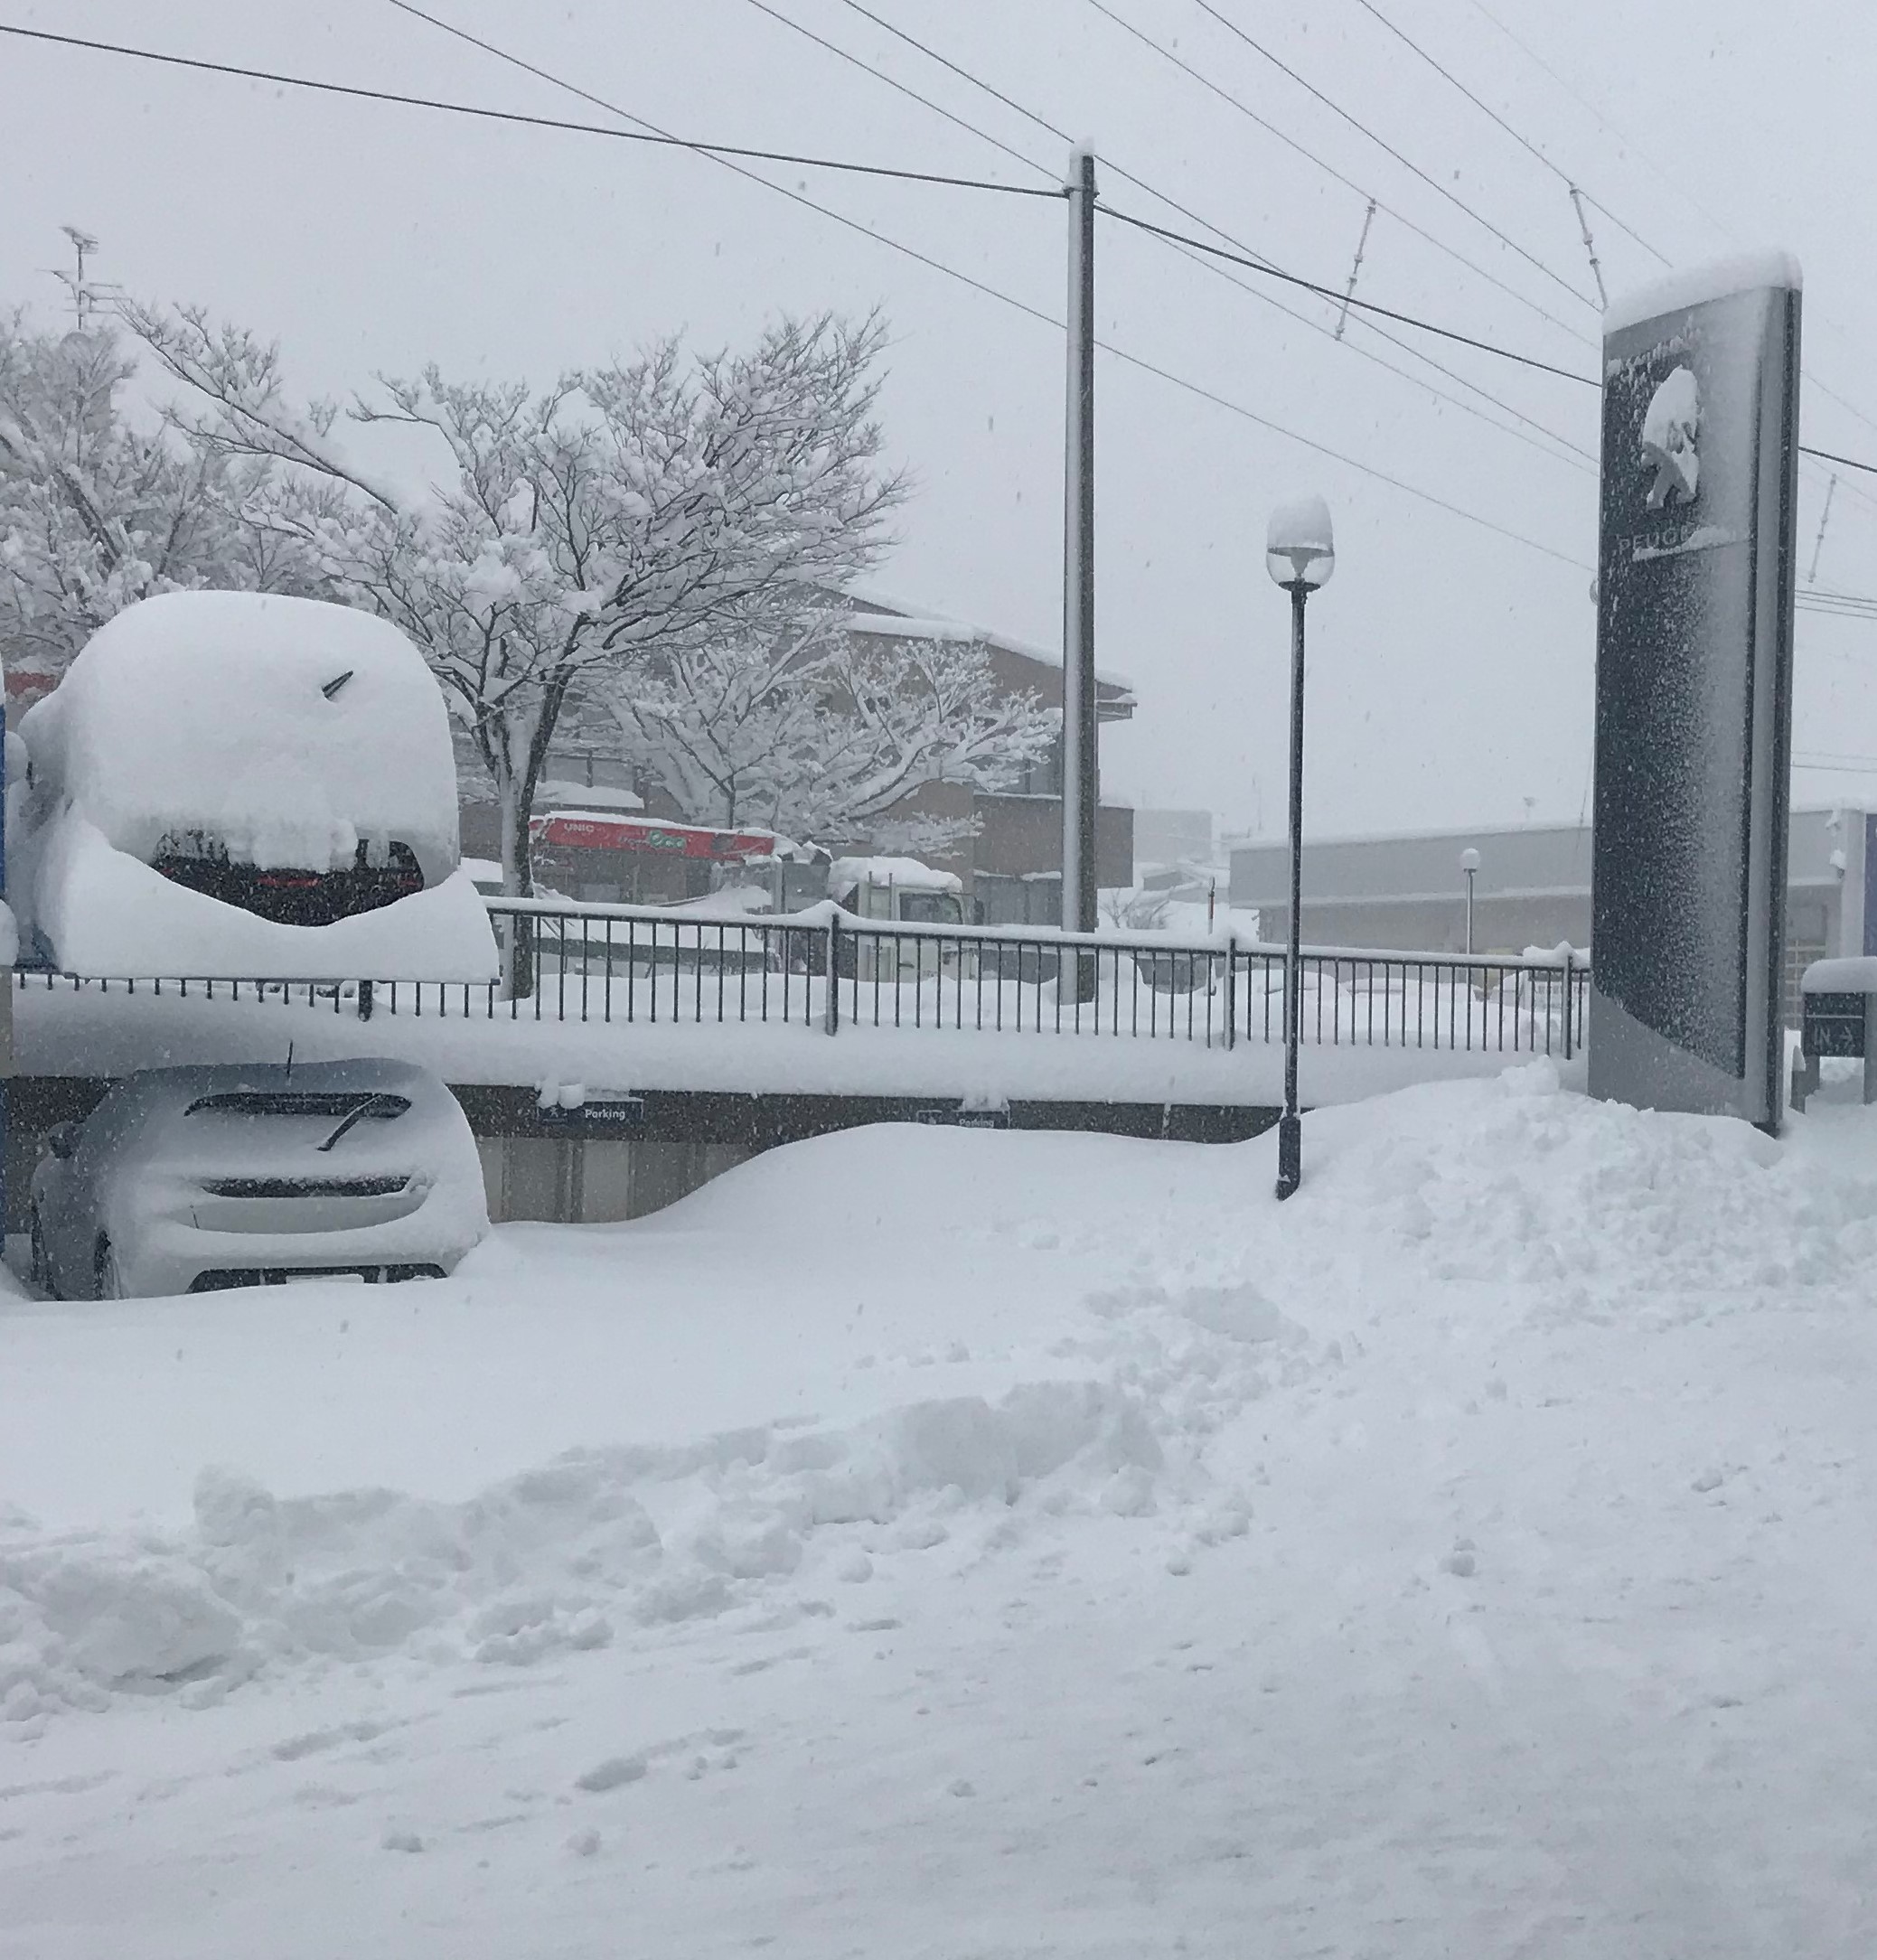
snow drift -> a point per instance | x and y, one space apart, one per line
538 1564
1444 1221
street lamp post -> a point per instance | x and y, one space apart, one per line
1299 554
1469 864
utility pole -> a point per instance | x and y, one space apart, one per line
1079 758
83 297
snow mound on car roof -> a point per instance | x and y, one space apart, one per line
289 729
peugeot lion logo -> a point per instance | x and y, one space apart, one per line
1668 433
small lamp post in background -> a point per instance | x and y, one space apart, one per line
1469 864
1299 554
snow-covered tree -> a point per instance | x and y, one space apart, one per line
628 513
97 510
780 721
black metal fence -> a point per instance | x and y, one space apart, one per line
827 969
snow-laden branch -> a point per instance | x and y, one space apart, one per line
97 512
623 517
780 721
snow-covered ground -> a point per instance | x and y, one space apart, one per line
958 1544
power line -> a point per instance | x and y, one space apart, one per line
1335 455
659 138
1364 305
1825 456
1720 224
1034 313
1603 122
1486 108
729 163
726 153
1328 169
1425 326
1355 122
1256 259
1566 451
892 81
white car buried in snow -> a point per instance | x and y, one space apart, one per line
238 785
183 1180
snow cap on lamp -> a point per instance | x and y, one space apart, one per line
1300 547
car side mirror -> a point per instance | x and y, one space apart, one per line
62 1140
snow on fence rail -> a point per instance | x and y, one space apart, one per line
824 969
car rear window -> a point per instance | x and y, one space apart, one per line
298 1102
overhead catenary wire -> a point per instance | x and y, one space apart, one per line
893 81
1363 305
729 156
1122 354
720 153
1523 141
1721 224
1382 143
1226 95
1603 122
1557 447
1425 326
662 138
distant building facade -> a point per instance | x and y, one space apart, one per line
1163 838
1012 869
1532 888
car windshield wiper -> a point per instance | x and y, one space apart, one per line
381 1104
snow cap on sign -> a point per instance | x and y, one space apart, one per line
1695 285
289 729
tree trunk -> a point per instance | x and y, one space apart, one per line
518 882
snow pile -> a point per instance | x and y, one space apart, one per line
539 1564
289 729
1607 1211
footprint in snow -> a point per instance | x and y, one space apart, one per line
611 1774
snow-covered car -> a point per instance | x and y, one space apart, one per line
182 1180
243 785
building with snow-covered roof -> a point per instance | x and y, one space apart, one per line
1011 870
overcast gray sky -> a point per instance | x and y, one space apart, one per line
1452 665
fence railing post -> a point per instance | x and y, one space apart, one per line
1570 989
1230 989
365 991
832 1022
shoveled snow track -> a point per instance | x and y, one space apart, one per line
1463 1559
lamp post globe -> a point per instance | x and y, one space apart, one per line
1299 545
1299 554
